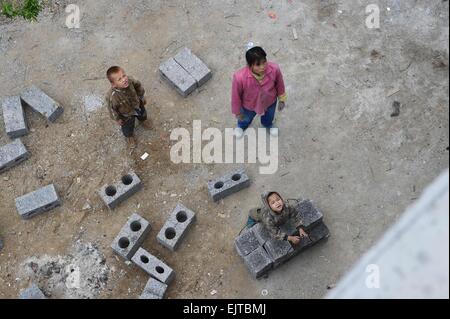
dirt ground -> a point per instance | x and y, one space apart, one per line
339 144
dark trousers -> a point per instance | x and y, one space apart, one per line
128 126
266 119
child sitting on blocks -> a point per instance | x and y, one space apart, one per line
274 214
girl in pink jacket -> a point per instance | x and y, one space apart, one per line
256 90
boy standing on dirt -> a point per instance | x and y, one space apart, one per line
125 100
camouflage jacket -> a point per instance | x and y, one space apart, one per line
122 103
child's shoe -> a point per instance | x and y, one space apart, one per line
147 125
238 132
273 131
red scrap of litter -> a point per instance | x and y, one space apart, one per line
272 15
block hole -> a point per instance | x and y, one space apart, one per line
127 179
218 185
145 259
170 233
135 226
159 269
124 242
181 216
236 177
111 191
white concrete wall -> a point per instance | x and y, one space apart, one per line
412 258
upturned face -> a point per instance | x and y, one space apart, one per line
276 203
120 80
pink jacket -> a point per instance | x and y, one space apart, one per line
254 96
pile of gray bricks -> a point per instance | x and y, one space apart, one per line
176 227
128 244
185 72
231 183
38 202
33 97
261 253
12 154
16 125
113 195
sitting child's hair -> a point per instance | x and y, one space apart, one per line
256 56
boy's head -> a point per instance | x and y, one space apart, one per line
275 202
118 78
257 60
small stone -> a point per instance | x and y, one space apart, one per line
214 292
87 206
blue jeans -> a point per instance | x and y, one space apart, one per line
266 119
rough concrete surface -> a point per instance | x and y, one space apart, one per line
338 143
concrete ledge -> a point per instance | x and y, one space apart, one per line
412 259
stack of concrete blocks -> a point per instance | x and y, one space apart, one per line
255 256
38 202
229 184
131 237
32 293
262 253
309 213
176 227
12 154
113 195
185 72
42 103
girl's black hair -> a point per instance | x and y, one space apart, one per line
255 55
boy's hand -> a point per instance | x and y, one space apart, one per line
281 106
294 239
240 117
120 122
